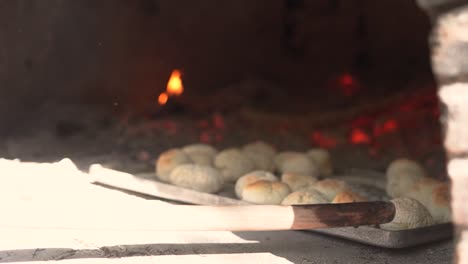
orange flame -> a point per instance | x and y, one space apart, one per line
162 98
174 85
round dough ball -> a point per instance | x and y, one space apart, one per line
282 156
398 184
265 192
330 187
201 154
401 175
323 160
409 213
169 160
439 205
435 196
295 162
252 177
405 165
233 164
309 196
260 161
348 197
196 177
297 181
260 147
422 188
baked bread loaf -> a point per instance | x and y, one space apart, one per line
297 181
330 187
323 160
233 164
265 192
348 197
168 161
296 162
409 213
401 175
197 177
435 196
309 196
250 178
201 154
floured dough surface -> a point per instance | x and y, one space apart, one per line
330 187
349 197
197 177
233 164
201 154
323 160
250 178
296 162
309 196
409 213
265 192
169 160
297 181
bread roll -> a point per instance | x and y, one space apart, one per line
296 162
260 161
309 196
252 177
330 187
323 160
401 175
409 213
439 205
406 165
169 160
265 192
297 181
348 197
233 164
197 177
201 154
399 184
435 196
260 147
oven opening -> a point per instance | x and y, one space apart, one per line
195 95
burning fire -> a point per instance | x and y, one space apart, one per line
174 85
162 98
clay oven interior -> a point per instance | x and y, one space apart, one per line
81 79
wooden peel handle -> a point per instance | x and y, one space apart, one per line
193 217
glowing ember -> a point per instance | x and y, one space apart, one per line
348 84
323 141
347 79
390 126
162 98
205 137
218 121
358 136
174 85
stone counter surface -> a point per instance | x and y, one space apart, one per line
204 247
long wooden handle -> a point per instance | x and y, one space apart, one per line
196 217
